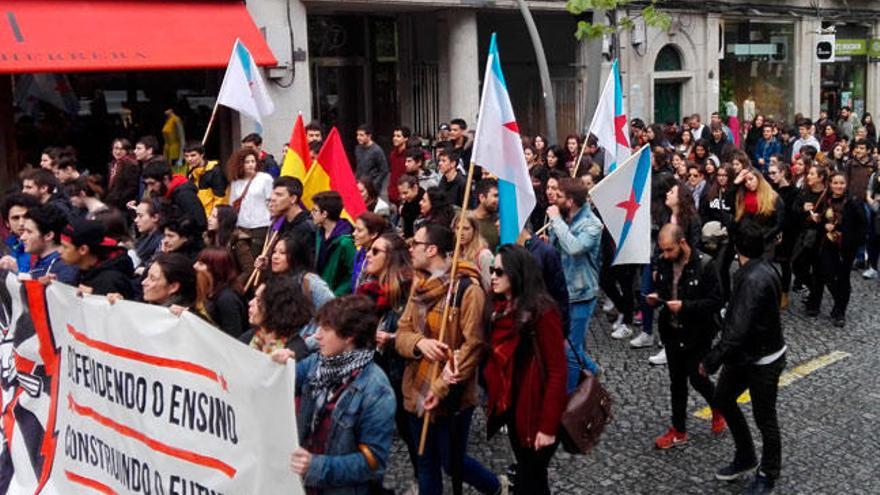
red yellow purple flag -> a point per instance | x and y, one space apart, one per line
331 171
297 161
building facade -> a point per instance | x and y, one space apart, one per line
420 62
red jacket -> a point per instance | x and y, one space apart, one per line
536 396
397 164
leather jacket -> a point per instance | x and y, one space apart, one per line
752 328
700 294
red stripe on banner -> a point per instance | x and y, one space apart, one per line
147 358
36 295
186 455
94 485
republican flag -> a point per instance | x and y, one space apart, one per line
243 88
623 198
297 161
498 149
331 171
609 123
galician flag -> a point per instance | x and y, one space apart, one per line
498 149
623 198
243 88
609 123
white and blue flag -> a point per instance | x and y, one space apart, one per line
623 199
498 149
243 88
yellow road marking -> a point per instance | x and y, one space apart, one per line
788 377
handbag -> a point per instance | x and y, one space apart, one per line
587 412
236 205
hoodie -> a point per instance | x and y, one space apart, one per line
113 273
185 196
335 257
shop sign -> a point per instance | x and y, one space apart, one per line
825 48
848 48
874 48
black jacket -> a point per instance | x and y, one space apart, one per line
550 263
228 311
699 291
186 197
300 227
112 274
752 328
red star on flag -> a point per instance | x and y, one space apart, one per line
619 123
631 206
513 126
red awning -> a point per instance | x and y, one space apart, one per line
115 35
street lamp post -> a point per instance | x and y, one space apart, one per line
546 85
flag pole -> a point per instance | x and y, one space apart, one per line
456 253
211 121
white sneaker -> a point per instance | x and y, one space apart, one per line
658 359
505 484
608 305
622 331
413 489
869 274
617 322
642 340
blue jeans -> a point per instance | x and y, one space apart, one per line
579 316
647 287
439 451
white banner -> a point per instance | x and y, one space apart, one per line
140 401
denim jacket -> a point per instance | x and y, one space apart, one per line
579 244
364 415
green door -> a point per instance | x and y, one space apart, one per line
667 102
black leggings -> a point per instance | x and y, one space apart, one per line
833 272
531 465
617 282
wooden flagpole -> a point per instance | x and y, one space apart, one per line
449 294
211 121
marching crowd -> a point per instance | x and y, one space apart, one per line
385 331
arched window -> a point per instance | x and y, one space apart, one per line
668 59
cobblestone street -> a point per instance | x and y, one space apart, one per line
828 414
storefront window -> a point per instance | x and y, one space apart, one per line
757 66
843 81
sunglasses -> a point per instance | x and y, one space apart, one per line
498 272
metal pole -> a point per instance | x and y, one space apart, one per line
546 85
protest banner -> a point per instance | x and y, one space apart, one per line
133 399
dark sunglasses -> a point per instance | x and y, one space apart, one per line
498 272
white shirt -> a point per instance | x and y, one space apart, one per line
254 212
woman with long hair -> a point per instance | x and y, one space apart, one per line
224 303
540 145
369 193
680 166
292 257
388 280
756 200
434 207
804 255
870 128
836 160
249 193
526 370
754 135
555 158
147 221
572 149
799 169
681 211
780 176
829 138
367 228
720 198
701 151
841 224
222 232
685 145
278 313
473 247
532 159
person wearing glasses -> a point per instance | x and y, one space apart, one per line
367 228
386 280
451 405
696 179
526 371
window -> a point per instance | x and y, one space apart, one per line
668 59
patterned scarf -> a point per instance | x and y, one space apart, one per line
266 342
333 372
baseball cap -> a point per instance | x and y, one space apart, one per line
637 123
89 233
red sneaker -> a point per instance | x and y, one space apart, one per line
719 424
672 438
